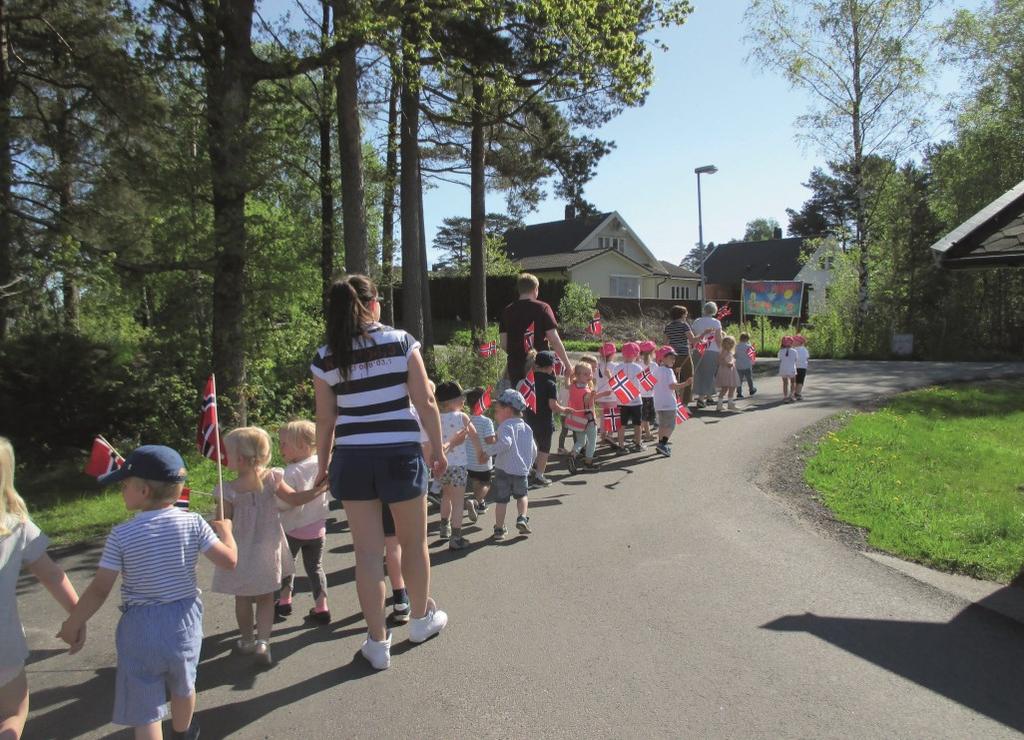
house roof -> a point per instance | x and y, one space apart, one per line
772 259
552 237
677 271
992 237
571 259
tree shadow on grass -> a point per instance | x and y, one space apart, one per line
998 398
975 659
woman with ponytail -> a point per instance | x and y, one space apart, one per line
371 397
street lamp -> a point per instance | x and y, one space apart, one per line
708 169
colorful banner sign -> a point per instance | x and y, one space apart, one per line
772 297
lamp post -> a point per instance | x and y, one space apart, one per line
708 169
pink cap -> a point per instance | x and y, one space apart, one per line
664 352
607 349
799 339
647 346
631 349
787 341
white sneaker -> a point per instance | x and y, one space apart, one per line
378 653
428 625
718 406
732 406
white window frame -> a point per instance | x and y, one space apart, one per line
612 284
680 292
612 242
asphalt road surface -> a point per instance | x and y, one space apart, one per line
657 598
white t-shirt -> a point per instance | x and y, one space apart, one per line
453 422
24 545
484 429
787 363
302 476
643 393
604 374
703 324
664 396
802 357
632 369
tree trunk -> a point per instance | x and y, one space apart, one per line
6 173
350 150
387 249
412 286
65 147
861 236
326 176
428 316
477 218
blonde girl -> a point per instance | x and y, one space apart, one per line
263 555
727 379
21 545
580 418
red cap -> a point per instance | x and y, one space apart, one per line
607 349
664 352
647 346
630 349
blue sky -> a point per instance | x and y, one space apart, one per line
707 106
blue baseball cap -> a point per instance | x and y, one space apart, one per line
512 397
149 462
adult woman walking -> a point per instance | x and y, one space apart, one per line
365 376
679 336
705 366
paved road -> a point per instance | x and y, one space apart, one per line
658 598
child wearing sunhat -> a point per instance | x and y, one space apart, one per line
161 627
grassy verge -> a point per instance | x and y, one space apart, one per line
71 507
936 476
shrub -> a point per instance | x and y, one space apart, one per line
577 306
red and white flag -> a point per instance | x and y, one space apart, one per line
612 419
682 413
723 312
528 337
646 379
558 367
595 325
208 437
182 502
703 344
488 349
103 459
483 403
527 387
623 388
752 353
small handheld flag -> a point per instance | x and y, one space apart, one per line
623 388
483 403
682 413
612 420
182 502
488 349
103 459
208 437
528 337
723 312
558 367
646 379
752 353
527 387
595 325
703 344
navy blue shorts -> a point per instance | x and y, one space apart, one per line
392 473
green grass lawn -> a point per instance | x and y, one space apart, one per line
936 476
70 507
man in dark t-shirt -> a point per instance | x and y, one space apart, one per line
516 320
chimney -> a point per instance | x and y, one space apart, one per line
778 232
570 212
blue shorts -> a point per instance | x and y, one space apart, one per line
392 473
505 487
157 652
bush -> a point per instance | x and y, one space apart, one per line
577 306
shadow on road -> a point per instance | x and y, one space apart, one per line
975 659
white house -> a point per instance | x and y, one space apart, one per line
601 251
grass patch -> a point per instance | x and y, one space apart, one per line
936 476
71 507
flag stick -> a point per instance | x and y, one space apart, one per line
216 442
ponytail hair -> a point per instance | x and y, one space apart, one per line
11 504
348 311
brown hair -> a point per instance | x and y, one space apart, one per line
165 492
678 312
527 283
348 310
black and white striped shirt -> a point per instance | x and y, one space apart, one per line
373 404
678 335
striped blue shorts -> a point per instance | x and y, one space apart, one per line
157 651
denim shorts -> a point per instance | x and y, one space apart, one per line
505 487
157 652
391 473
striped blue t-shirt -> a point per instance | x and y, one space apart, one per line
156 554
373 404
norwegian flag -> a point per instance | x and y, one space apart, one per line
483 403
647 380
182 502
528 388
206 441
752 353
682 413
612 419
595 325
623 388
558 367
723 312
103 459
703 344
528 337
488 349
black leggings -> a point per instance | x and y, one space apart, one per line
312 560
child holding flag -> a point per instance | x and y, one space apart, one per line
746 355
480 464
631 410
647 416
665 402
21 545
726 377
604 396
161 627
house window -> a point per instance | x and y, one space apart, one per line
680 292
625 286
611 242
